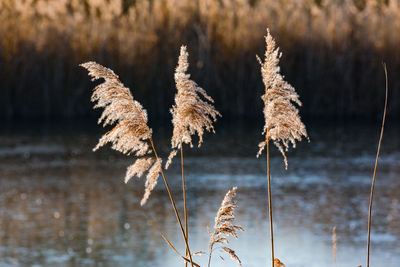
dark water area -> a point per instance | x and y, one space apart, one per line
63 205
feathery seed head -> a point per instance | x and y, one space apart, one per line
283 124
224 226
191 113
131 135
233 255
138 168
151 180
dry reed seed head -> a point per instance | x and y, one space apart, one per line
283 125
191 113
151 180
224 226
170 157
131 135
138 168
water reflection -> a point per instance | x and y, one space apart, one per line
62 205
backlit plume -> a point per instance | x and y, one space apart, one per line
131 135
190 114
224 226
283 124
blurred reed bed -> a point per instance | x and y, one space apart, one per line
332 48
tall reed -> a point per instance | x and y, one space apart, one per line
283 125
131 135
190 115
376 167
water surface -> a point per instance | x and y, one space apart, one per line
63 205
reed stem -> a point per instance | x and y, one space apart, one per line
173 204
270 205
184 201
209 257
376 167
170 244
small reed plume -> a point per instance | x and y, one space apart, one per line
190 114
283 124
131 135
224 226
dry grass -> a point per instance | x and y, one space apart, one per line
43 41
107 28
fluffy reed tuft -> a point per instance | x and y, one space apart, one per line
131 135
283 124
224 226
151 180
190 114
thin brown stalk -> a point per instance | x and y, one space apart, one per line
334 244
376 167
173 204
170 244
184 201
271 228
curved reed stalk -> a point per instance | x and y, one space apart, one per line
170 244
376 167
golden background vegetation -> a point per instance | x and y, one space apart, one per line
332 53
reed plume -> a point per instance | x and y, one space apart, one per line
224 226
131 134
283 125
191 113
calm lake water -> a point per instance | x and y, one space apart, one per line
63 205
